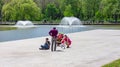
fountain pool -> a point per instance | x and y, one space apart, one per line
33 32
42 30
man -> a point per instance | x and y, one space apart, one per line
53 33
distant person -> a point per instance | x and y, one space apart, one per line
53 33
66 40
46 45
59 38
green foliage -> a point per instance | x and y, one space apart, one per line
68 11
51 11
20 10
113 64
89 8
14 10
109 8
73 7
1 4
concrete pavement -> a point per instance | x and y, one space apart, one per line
92 48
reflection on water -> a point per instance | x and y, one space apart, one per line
42 30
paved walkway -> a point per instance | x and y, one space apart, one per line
89 49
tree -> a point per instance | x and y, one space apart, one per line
51 11
21 10
1 4
68 11
6 1
110 9
75 6
89 9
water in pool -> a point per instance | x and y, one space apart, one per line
37 31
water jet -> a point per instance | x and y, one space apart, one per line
24 24
70 21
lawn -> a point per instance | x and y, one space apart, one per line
115 63
7 28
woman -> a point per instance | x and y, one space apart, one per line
66 40
59 38
46 45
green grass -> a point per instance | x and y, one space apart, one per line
7 28
115 63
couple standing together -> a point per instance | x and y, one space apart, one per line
55 35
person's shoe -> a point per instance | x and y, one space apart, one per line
41 49
62 46
68 47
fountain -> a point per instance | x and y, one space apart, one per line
70 24
70 21
24 24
